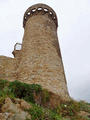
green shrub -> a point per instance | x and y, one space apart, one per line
4 90
24 91
3 84
37 113
84 106
68 108
54 116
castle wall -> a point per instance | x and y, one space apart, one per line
7 68
39 61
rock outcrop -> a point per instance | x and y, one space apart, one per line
14 110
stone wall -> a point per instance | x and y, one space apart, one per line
7 68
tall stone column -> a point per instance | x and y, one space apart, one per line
40 60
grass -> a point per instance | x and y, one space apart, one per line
65 111
84 106
39 113
24 91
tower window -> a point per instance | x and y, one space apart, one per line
39 9
18 46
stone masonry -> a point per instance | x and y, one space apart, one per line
39 60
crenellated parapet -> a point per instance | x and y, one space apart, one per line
41 9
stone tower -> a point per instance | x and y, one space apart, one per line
39 61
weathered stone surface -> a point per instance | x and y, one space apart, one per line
22 104
39 61
9 106
12 111
84 114
7 68
3 116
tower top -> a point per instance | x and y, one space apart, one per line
40 9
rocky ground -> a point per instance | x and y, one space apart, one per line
16 104
14 110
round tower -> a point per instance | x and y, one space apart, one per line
40 58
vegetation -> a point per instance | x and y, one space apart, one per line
65 111
39 113
24 91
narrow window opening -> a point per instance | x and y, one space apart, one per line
33 10
18 46
39 9
50 13
54 17
28 13
25 17
45 9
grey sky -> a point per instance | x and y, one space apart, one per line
73 34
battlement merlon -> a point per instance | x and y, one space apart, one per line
40 9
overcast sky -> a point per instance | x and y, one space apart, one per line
73 34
